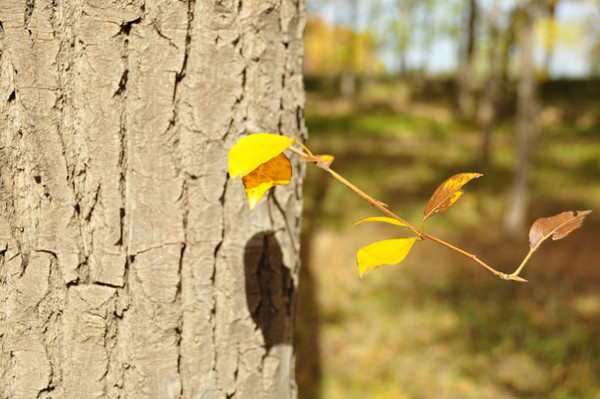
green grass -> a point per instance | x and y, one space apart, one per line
438 325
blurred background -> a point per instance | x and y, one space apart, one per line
406 93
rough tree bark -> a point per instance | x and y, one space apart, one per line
130 266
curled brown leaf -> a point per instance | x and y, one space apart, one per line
558 226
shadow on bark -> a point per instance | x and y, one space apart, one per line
271 297
269 289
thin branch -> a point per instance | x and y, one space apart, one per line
531 251
420 233
305 148
378 204
300 153
495 272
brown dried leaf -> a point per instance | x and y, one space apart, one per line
558 226
275 171
447 194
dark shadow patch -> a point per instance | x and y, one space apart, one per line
270 291
127 25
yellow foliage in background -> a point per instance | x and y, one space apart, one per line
331 50
549 32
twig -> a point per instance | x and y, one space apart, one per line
420 233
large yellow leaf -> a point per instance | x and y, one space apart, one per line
386 252
275 171
447 194
381 219
252 151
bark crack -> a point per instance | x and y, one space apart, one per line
172 128
122 162
188 44
213 278
126 26
29 6
122 83
156 27
152 247
52 322
179 293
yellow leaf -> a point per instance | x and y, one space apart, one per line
251 151
275 171
447 194
386 252
381 219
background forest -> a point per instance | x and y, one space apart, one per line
405 94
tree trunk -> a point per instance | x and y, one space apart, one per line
488 108
347 79
402 30
526 124
466 105
129 263
549 53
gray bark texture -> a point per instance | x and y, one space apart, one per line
130 266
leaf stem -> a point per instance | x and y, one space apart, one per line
531 251
305 148
300 153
